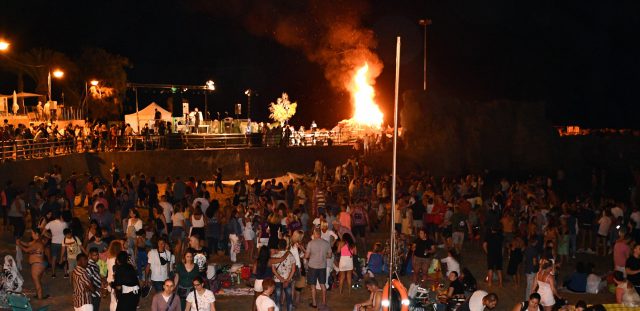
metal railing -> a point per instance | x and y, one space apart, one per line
24 149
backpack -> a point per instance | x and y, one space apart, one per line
74 249
359 218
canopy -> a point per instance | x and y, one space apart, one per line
22 95
147 115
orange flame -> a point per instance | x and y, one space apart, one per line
367 112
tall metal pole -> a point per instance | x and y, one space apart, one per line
393 174
249 106
424 23
205 104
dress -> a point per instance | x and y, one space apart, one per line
563 245
546 294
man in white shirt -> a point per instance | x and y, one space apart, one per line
56 227
160 261
481 300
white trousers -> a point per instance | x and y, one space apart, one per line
234 241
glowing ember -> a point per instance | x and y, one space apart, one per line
367 113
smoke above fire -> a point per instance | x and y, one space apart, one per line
328 32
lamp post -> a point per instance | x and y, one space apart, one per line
4 45
248 92
424 23
57 73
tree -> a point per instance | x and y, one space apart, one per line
104 100
283 110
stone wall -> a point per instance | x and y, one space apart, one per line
261 162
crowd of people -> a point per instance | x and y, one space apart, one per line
315 232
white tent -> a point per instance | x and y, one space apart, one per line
146 116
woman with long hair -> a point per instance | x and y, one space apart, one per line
35 249
115 247
297 249
198 222
160 222
346 248
125 283
186 271
273 227
262 271
546 285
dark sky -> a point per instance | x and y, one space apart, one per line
579 57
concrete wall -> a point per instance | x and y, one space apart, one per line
262 162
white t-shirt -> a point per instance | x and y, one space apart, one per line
178 220
159 272
204 204
167 210
327 235
617 212
452 264
57 228
204 301
475 302
263 303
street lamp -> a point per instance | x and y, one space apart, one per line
424 23
248 92
4 45
57 73
94 82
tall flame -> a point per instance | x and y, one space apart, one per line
367 112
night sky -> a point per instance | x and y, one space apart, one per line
581 58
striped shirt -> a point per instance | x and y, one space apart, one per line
81 283
93 272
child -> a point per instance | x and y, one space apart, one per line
249 234
72 246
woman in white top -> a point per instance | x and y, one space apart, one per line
264 301
546 286
201 299
177 231
604 224
198 223
133 224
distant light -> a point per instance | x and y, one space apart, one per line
174 89
248 92
185 89
4 45
210 85
94 82
58 73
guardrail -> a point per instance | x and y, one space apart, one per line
24 149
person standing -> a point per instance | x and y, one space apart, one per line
166 300
283 274
37 259
264 301
186 271
200 299
125 282
235 233
531 257
318 250
632 267
82 286
546 286
218 181
17 212
493 248
425 248
93 271
159 263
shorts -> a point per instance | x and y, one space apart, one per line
359 230
87 307
316 275
55 250
494 262
458 237
346 263
262 242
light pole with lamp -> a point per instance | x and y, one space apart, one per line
57 73
248 92
94 83
424 23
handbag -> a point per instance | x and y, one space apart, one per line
183 291
170 301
